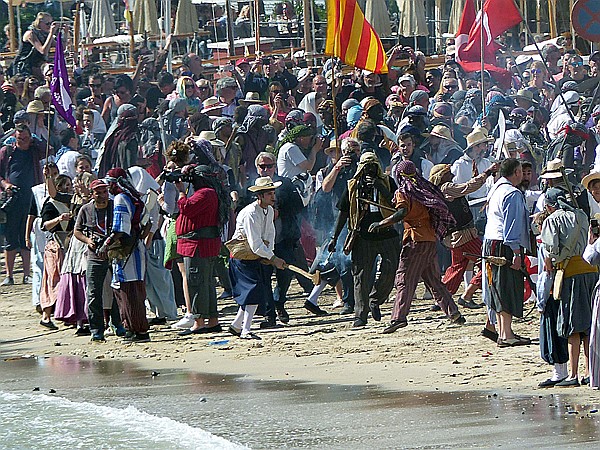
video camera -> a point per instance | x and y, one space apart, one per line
176 176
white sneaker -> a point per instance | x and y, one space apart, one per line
185 323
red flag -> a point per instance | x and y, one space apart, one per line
466 23
498 16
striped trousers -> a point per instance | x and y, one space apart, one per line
419 260
454 274
131 297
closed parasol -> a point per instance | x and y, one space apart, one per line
377 15
412 18
102 22
145 17
186 19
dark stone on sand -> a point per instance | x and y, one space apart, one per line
36 389
57 344
495 395
572 412
203 400
593 411
52 391
155 373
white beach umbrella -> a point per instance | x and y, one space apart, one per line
377 15
145 17
102 22
455 16
186 19
412 18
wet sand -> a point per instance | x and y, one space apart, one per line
428 355
278 414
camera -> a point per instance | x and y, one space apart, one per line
175 176
7 200
595 227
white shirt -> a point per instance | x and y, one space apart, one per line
288 158
255 224
462 169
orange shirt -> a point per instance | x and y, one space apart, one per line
417 223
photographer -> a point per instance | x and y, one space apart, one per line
91 227
198 226
298 151
20 170
36 45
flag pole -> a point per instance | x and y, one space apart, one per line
482 50
335 113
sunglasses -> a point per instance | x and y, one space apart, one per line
203 88
536 71
576 64
266 166
451 86
95 85
47 23
277 91
189 86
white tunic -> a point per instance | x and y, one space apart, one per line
256 224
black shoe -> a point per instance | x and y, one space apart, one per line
267 324
468 304
568 383
585 381
375 312
282 314
97 337
359 323
314 309
458 319
158 321
549 383
394 326
233 330
205 330
83 331
435 307
491 335
50 325
140 338
347 309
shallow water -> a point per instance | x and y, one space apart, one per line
112 404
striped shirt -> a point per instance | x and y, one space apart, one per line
134 267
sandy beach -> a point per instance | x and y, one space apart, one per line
428 355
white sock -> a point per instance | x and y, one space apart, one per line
237 322
248 315
560 371
314 295
467 277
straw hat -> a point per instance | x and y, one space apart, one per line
553 170
437 173
36 107
525 94
331 150
589 178
211 137
212 104
443 132
477 136
251 98
264 184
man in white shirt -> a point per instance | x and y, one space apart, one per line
67 160
472 163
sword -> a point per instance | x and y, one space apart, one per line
495 260
371 202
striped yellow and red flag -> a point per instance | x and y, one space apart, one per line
352 39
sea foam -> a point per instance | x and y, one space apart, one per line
42 421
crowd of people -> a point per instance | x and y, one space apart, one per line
172 181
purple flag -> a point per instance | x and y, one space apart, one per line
59 86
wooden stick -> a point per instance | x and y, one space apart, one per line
11 24
314 277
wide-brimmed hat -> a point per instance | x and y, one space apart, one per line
264 184
211 137
478 136
251 99
212 104
437 173
332 148
554 169
525 94
36 107
589 178
442 132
